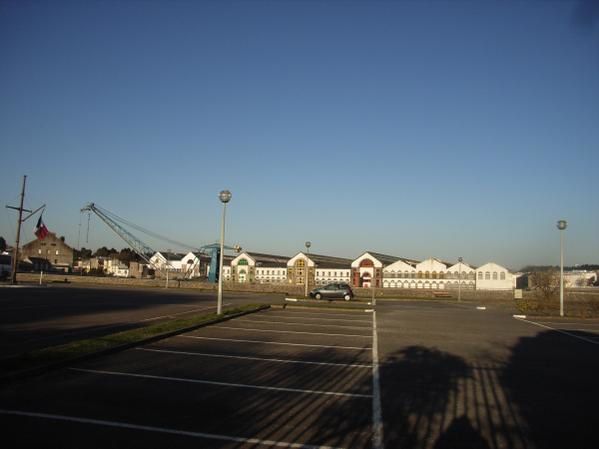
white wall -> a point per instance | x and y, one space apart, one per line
492 276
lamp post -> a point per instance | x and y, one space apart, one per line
224 196
168 251
561 225
460 279
308 245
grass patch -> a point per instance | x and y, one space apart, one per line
56 354
573 307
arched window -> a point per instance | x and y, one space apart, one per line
480 275
242 262
502 276
494 275
487 276
434 274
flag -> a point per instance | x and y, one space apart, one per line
41 231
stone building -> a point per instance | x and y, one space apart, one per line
54 250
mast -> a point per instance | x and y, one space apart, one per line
15 257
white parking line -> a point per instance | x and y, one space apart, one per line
223 384
377 414
261 359
252 320
318 314
275 343
125 425
179 313
288 332
588 340
318 319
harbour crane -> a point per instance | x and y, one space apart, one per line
144 251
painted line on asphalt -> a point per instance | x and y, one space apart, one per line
260 359
187 433
588 340
569 323
377 414
170 315
361 348
319 319
223 384
315 313
288 332
253 320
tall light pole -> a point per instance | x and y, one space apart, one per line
460 279
308 245
561 225
224 196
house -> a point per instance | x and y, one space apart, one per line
167 261
369 266
259 268
58 254
195 265
5 265
492 276
317 269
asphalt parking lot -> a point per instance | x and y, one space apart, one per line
413 374
34 317
288 378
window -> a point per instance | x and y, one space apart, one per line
480 275
487 276
242 262
57 252
39 251
502 275
494 275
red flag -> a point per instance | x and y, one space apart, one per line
41 231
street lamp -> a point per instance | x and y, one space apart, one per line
561 225
308 245
168 251
224 196
460 279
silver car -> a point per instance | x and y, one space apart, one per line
335 290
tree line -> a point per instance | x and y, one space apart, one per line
124 255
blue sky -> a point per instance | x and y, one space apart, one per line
415 129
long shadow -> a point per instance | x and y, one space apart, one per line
34 318
554 381
421 381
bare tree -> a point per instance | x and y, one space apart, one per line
545 282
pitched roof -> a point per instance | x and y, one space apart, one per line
268 260
322 261
388 260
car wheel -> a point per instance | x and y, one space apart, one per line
347 297
318 296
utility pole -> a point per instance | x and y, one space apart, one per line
15 255
21 220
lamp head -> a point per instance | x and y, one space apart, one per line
562 224
308 244
225 196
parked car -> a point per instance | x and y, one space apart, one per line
335 290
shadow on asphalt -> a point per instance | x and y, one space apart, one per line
544 397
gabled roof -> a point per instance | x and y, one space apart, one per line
388 260
322 261
268 260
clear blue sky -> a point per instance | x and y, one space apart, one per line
416 129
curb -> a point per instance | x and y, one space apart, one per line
43 369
